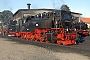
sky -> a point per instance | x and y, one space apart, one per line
79 6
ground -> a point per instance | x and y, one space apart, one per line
16 50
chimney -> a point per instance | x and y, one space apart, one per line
28 5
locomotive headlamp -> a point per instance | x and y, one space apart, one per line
10 29
13 20
67 29
27 29
36 24
75 29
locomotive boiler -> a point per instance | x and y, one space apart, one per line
57 19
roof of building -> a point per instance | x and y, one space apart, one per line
86 20
32 10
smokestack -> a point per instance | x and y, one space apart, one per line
28 5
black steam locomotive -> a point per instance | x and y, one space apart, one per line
12 26
57 26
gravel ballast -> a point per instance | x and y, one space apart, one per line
11 50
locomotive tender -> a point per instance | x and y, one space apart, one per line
55 27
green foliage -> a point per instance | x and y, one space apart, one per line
65 7
5 15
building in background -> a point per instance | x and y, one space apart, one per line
24 13
87 21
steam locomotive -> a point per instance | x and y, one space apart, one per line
54 27
12 28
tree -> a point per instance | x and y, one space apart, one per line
65 7
0 16
6 15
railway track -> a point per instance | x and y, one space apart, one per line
83 48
